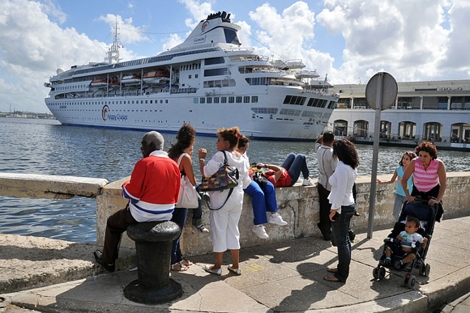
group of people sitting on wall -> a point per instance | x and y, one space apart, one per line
153 190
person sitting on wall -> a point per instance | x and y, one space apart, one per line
289 172
152 192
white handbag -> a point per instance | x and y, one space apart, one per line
188 198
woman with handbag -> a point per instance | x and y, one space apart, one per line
181 153
263 195
225 234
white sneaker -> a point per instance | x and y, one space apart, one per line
260 231
307 182
277 219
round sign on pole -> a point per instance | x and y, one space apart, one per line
388 91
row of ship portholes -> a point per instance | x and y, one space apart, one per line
116 102
208 100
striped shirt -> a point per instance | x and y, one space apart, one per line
426 179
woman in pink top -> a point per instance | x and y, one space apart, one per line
429 175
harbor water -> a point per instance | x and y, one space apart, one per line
41 146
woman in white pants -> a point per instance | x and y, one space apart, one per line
224 221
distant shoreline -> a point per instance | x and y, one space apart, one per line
31 115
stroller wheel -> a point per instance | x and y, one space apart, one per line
425 270
382 273
411 282
375 272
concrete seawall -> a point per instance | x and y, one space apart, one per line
298 205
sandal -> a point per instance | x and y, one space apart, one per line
215 271
332 269
178 267
236 271
186 262
332 279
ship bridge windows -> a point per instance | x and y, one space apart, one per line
217 72
231 99
238 99
318 103
291 112
231 36
294 100
212 61
265 110
254 99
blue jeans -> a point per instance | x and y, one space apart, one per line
340 232
197 213
296 164
263 199
179 217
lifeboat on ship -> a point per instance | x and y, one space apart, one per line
114 83
130 80
156 77
99 82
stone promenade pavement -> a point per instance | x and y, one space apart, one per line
44 275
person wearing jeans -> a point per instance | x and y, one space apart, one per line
342 206
340 232
263 199
289 172
263 196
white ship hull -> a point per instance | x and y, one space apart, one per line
212 86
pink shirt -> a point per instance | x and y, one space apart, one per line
426 179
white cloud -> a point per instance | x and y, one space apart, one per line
284 34
198 10
128 33
407 38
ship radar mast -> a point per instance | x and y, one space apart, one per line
113 52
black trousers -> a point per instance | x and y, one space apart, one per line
325 206
115 226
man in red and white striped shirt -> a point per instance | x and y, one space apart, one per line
152 192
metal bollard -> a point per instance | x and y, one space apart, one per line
153 242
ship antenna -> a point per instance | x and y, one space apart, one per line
113 52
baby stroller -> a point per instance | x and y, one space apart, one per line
427 215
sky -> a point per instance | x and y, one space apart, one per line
348 40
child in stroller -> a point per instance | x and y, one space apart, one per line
408 241
426 216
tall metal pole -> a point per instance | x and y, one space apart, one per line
373 183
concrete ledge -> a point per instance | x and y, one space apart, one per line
49 186
298 205
30 262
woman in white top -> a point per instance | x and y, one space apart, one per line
224 221
342 205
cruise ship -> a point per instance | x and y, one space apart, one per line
436 111
210 81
